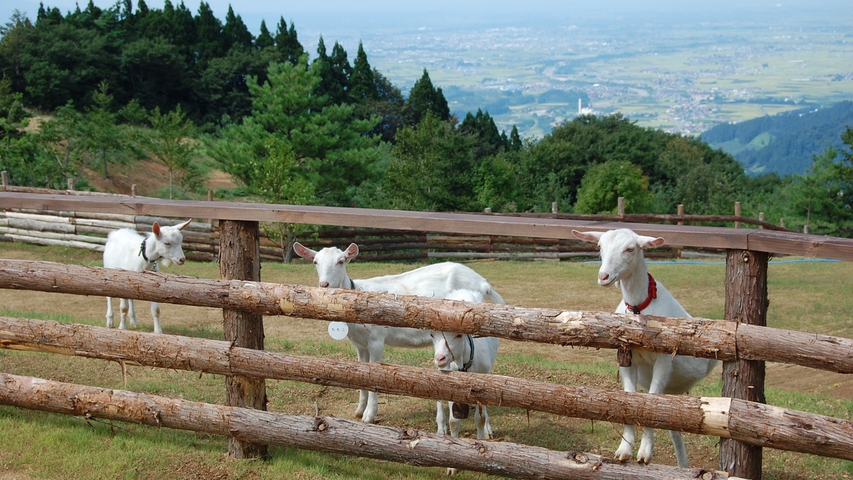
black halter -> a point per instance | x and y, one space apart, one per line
142 250
470 361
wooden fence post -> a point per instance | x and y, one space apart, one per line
554 207
746 302
240 259
737 214
4 175
620 205
761 218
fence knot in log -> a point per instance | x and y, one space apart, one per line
320 424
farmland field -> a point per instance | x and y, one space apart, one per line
808 296
671 70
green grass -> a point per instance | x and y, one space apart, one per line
804 296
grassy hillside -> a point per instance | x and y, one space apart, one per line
784 143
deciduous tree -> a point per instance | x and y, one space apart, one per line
605 182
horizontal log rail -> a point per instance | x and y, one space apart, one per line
655 218
751 422
765 240
330 434
699 337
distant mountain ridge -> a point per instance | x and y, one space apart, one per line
783 143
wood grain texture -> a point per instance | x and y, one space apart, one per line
467 223
333 435
696 336
749 422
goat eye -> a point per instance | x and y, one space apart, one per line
432 335
629 250
340 262
458 335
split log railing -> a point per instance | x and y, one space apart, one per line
746 300
81 229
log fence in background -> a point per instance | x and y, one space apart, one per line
201 240
88 231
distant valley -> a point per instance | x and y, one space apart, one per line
683 76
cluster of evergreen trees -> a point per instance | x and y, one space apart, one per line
121 84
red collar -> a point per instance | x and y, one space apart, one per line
653 293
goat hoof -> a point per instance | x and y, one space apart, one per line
451 471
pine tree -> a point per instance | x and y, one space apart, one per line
423 98
328 87
294 48
209 30
362 83
235 32
340 75
288 46
185 36
157 23
333 149
264 39
515 140
389 106
483 127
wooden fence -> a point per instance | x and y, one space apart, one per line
725 417
87 230
744 424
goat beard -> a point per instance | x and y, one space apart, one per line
165 262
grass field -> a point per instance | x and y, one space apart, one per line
808 296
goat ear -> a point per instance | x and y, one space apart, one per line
587 236
351 252
303 251
156 229
650 242
184 225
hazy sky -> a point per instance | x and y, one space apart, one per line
354 16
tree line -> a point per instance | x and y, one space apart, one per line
121 84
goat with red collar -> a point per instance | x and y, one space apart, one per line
622 261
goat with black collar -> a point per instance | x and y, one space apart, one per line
465 353
127 249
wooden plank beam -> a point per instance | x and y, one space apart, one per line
465 223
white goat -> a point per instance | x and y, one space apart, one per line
622 261
436 280
126 249
464 353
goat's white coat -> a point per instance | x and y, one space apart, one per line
622 261
452 351
436 280
123 251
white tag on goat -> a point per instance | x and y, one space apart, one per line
338 330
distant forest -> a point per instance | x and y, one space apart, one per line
783 143
112 86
